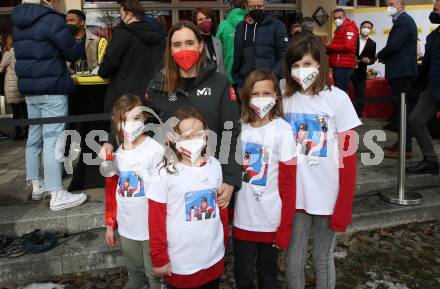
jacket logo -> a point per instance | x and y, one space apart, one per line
204 91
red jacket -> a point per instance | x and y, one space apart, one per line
342 50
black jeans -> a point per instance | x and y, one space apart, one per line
399 85
266 256
214 284
359 84
424 111
342 78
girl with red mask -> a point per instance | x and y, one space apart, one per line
205 20
187 79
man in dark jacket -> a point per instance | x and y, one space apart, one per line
43 44
260 42
366 55
429 101
342 50
400 58
132 56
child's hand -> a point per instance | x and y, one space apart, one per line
110 238
106 149
162 271
224 195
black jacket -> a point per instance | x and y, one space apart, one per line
130 61
210 94
269 45
370 52
400 53
430 70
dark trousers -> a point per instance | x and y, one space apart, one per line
424 111
342 78
247 256
397 86
19 111
214 284
359 84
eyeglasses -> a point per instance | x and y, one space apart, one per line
253 7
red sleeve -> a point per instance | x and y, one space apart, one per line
157 224
346 45
224 217
342 213
287 189
111 185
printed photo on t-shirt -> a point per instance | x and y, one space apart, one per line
310 131
200 205
130 185
255 164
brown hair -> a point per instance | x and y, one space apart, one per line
208 12
295 52
185 112
134 7
247 114
124 104
339 10
171 68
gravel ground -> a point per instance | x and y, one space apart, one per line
395 258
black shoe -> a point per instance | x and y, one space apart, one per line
3 135
424 167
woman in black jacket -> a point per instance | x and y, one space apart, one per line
132 56
189 80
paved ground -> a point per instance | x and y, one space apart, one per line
395 258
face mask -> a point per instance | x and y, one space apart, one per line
434 17
339 22
391 11
305 76
262 105
186 59
205 26
191 149
365 31
257 15
73 29
133 129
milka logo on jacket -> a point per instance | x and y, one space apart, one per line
204 91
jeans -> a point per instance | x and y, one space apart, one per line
342 77
424 111
323 247
44 137
138 262
247 256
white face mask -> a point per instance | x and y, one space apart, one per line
365 31
262 105
305 76
133 129
391 11
339 22
191 149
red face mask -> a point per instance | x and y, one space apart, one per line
205 26
186 59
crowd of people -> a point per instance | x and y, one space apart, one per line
168 203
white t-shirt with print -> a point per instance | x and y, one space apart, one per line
316 120
136 168
194 229
258 203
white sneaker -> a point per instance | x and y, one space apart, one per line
62 199
38 191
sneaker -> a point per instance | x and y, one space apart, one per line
38 191
62 199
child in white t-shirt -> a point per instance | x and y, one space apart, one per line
265 204
189 232
136 160
323 119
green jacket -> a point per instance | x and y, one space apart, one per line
225 34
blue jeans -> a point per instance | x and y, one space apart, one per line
342 78
45 137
